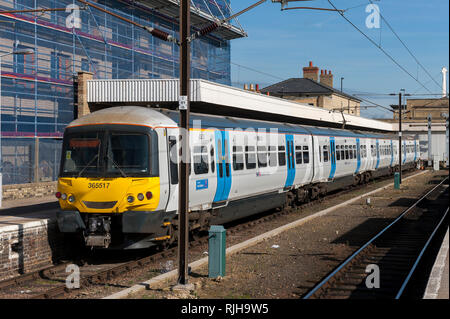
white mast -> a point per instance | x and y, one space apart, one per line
444 81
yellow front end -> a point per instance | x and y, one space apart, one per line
108 195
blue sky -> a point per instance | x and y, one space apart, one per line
280 43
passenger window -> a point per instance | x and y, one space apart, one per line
238 158
298 155
320 153
272 156
338 153
281 156
262 156
325 153
173 154
200 160
250 158
305 154
213 163
347 155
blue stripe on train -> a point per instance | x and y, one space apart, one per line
378 154
290 160
392 154
358 156
332 157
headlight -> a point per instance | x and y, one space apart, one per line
71 198
140 196
64 196
130 199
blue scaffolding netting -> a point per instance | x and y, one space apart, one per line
37 91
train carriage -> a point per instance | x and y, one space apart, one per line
118 182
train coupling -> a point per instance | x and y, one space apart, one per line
98 232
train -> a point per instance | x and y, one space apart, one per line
118 181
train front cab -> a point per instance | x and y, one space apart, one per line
109 185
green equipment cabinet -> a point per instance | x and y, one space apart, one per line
216 251
397 180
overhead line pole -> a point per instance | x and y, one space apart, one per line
184 107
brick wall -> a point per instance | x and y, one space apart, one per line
29 190
29 247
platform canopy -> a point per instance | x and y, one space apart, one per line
217 99
203 13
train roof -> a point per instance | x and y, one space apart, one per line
138 115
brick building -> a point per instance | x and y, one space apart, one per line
315 90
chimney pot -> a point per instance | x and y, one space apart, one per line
321 72
257 87
310 64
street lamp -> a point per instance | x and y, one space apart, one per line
17 52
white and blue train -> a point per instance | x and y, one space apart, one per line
118 182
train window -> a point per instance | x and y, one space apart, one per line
338 152
281 156
227 158
298 155
173 160
320 153
347 155
351 152
238 158
213 163
250 158
200 160
262 156
305 154
219 152
325 153
272 156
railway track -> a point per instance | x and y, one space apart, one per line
385 266
50 282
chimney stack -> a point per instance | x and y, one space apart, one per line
311 72
326 78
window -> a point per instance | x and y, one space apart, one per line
351 151
281 156
272 156
213 164
200 160
325 153
338 152
305 154
320 153
298 155
347 155
173 160
250 158
238 158
262 156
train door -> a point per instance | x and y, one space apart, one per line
222 139
392 154
358 155
290 160
332 157
172 160
415 150
377 149
404 152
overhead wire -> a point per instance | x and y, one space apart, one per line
379 47
404 44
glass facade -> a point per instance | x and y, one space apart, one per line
37 94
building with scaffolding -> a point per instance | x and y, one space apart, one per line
38 98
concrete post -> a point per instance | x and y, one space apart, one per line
446 138
430 153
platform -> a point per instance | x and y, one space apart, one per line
29 238
437 287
